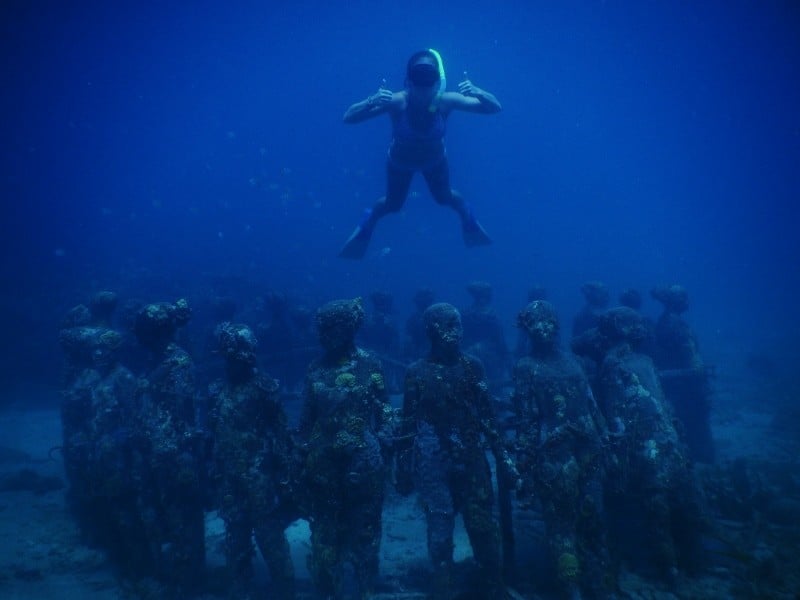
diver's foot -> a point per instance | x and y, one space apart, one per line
474 233
356 245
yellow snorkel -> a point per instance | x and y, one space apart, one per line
434 106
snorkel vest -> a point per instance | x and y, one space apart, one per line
434 106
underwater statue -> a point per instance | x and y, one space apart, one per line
346 427
650 481
560 455
448 425
253 457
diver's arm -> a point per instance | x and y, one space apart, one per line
470 98
377 104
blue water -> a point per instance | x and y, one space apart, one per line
150 148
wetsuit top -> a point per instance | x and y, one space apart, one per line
417 139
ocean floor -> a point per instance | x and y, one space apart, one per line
41 555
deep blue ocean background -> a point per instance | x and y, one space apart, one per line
163 150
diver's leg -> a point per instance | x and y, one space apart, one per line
438 180
398 182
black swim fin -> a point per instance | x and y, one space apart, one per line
474 233
356 245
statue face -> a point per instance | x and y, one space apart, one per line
337 324
443 323
544 331
540 322
336 338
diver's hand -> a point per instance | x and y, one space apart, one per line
466 88
380 98
487 103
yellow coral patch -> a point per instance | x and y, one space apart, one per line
346 380
567 567
377 380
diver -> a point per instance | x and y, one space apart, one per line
419 116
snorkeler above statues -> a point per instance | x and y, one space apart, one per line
419 114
